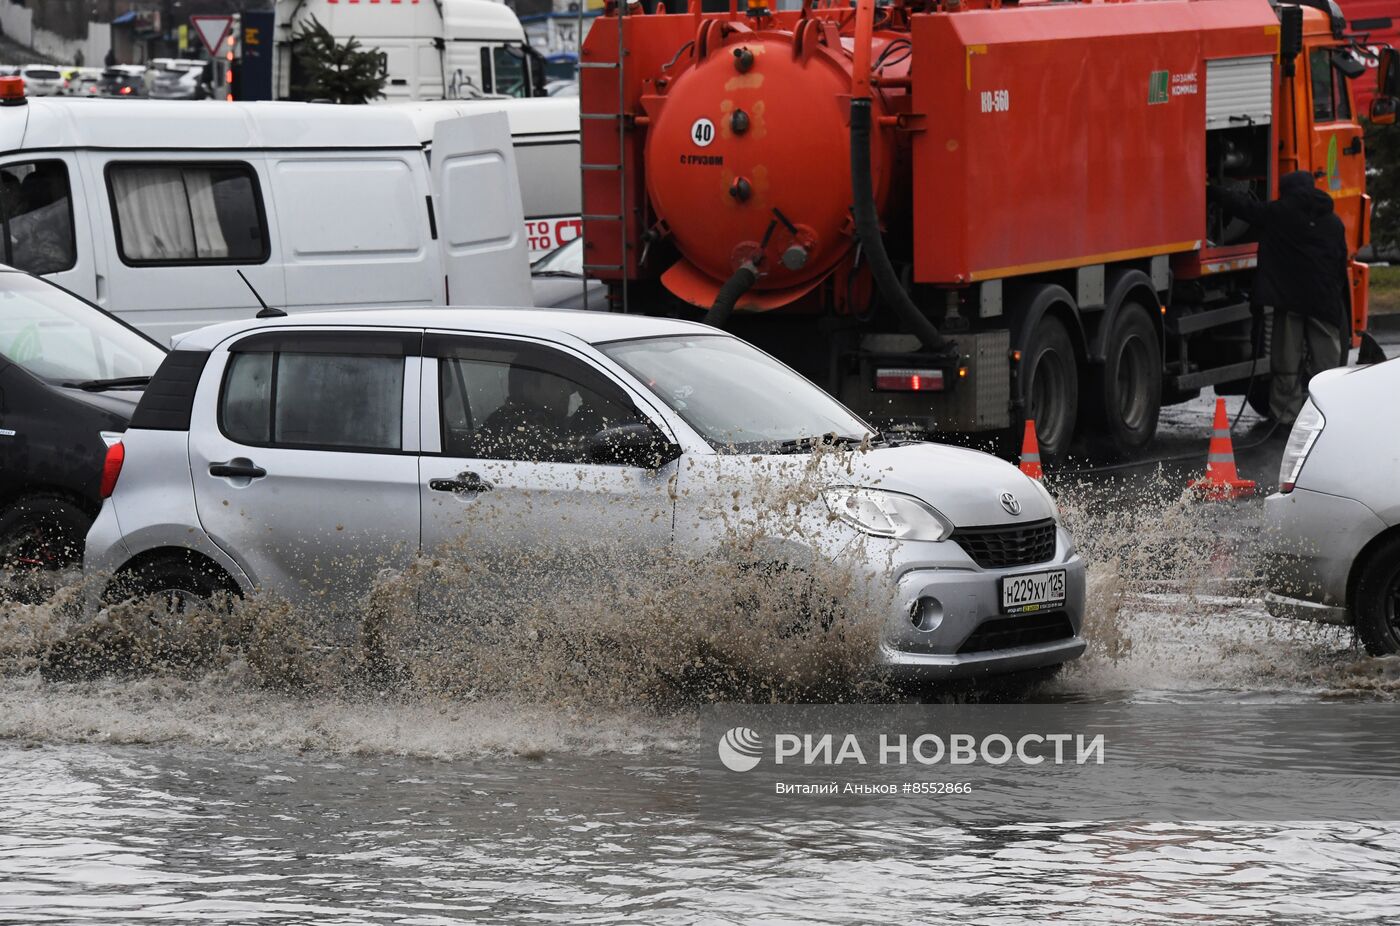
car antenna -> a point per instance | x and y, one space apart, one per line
267 311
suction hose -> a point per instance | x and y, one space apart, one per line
867 220
741 282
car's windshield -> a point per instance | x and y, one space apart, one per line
737 397
565 260
62 339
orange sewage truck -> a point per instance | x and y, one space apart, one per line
959 214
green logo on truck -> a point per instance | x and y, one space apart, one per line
1157 89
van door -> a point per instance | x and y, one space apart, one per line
303 452
356 228
476 193
180 228
45 221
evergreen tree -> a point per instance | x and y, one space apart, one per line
1383 184
329 70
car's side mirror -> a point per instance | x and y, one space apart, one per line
632 445
1383 109
538 75
1290 38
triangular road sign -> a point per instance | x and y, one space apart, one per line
212 31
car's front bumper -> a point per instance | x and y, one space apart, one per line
969 598
1312 540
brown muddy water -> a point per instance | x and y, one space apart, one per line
246 770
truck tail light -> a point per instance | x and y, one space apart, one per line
908 380
112 468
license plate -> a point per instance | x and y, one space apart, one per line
1034 591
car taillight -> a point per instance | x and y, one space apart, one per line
112 468
905 380
126 90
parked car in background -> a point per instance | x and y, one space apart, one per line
123 81
178 79
559 282
301 455
1334 524
70 377
83 82
42 80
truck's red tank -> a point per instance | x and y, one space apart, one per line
749 150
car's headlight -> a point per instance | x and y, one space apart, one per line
886 514
1306 430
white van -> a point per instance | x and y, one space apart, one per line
545 135
432 49
148 208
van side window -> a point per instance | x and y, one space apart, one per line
188 213
324 401
37 211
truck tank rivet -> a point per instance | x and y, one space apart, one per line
740 190
739 122
743 60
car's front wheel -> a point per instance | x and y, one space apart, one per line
1376 604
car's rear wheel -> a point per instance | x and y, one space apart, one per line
1376 604
176 583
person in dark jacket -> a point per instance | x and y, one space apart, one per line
1302 276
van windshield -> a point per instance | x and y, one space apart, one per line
61 339
735 396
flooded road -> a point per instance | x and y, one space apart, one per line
212 796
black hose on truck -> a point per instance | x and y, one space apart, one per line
873 243
741 282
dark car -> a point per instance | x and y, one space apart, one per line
70 373
122 81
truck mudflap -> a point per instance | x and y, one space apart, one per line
974 394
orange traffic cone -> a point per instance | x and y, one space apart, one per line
1222 481
1030 452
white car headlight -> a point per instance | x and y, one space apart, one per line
886 514
1306 430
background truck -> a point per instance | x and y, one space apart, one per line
959 214
1374 22
433 49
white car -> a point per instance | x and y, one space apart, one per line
302 454
42 80
1334 524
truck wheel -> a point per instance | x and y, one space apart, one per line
1376 605
1050 386
1128 397
42 532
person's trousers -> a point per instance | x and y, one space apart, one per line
1301 347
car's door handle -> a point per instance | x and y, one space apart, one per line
238 466
461 484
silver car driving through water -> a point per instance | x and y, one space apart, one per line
276 453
